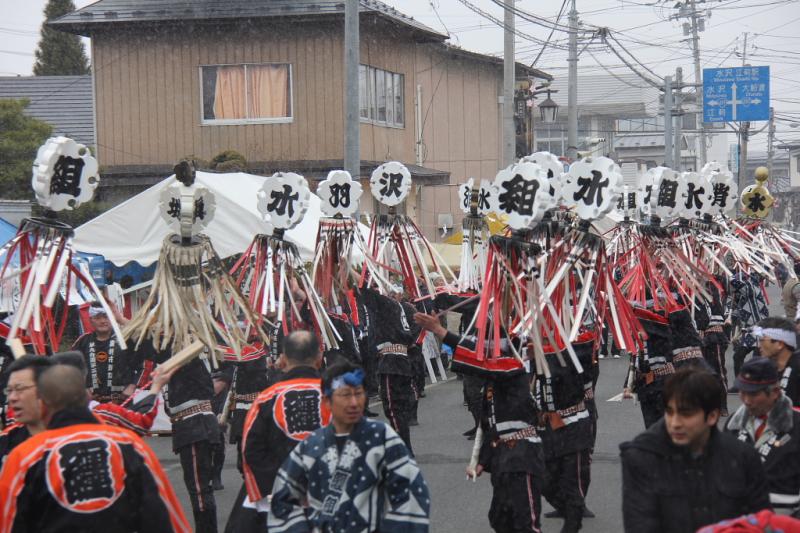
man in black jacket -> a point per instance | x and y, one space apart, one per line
508 445
194 429
767 421
24 402
281 416
395 335
682 473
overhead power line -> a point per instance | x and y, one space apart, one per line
552 31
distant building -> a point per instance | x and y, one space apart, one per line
787 210
265 78
620 116
64 102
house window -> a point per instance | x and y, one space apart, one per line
381 98
249 93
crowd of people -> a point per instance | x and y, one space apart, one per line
314 458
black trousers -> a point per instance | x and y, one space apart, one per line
739 354
651 403
397 397
197 474
714 354
567 477
218 455
473 395
516 503
244 519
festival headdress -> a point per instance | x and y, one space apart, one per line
397 246
40 257
193 302
338 234
477 200
271 265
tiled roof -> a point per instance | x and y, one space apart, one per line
619 96
64 102
104 12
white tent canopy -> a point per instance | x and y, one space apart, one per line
134 230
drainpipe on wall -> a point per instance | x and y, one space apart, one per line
418 112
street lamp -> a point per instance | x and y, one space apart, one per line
548 110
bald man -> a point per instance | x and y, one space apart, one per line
80 475
281 416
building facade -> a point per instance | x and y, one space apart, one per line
265 78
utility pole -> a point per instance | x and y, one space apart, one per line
744 134
771 140
352 137
572 97
677 159
668 121
698 79
509 132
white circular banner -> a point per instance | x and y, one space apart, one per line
390 183
64 174
189 207
284 198
667 192
696 196
339 193
522 194
592 187
554 170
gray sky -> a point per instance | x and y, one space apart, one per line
642 27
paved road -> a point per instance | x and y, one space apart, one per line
460 506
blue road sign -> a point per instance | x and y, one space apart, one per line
735 94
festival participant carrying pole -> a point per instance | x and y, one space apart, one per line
396 243
192 297
334 278
402 256
271 271
476 202
337 234
39 258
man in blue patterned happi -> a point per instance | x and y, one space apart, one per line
353 476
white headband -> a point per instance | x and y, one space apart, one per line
784 335
95 311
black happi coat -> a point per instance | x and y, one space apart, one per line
656 355
123 372
348 340
270 436
190 384
249 377
508 409
10 438
394 324
686 344
565 433
790 379
89 472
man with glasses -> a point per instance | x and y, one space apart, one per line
777 340
23 402
355 475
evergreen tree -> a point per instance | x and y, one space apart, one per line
20 138
59 53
